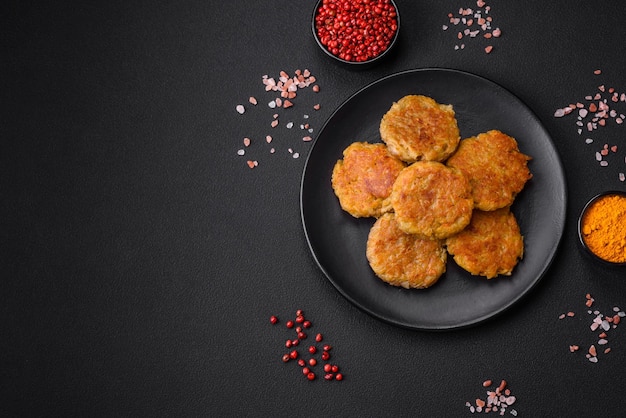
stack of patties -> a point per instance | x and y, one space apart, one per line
421 202
497 171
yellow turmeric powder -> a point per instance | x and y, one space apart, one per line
604 228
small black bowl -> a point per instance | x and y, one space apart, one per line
358 65
581 237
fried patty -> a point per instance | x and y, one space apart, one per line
402 259
491 245
418 128
494 166
431 200
363 179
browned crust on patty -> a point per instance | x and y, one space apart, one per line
432 200
491 245
418 128
494 166
363 179
402 259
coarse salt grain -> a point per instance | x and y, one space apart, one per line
497 400
286 87
602 323
470 18
598 112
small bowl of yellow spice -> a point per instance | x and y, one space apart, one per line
602 228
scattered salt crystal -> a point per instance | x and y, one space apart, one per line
289 125
588 140
240 109
272 104
559 113
296 155
240 152
252 100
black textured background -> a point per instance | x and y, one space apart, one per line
141 259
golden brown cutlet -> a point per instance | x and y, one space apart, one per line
432 200
494 166
362 181
402 259
418 128
490 245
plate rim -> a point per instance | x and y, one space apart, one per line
482 318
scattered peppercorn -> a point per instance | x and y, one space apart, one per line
308 362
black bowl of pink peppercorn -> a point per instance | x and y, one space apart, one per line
356 33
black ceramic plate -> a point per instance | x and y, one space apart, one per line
337 240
